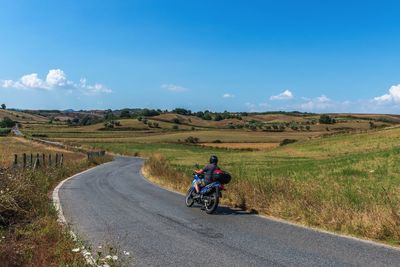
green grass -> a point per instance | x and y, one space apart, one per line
347 183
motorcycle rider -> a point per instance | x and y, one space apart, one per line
207 171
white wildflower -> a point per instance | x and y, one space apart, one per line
106 265
99 247
115 257
372 171
126 253
87 253
108 257
76 250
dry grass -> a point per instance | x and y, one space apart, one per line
250 146
21 116
356 194
18 145
29 232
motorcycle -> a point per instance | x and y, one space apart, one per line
209 195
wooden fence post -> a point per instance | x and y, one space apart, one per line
43 159
24 160
37 162
56 160
15 159
62 160
49 160
31 163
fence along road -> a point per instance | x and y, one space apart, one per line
114 203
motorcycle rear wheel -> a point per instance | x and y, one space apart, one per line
189 198
212 206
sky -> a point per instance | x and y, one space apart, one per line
313 56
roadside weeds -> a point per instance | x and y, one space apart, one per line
284 199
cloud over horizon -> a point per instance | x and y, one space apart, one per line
228 95
393 96
55 79
174 88
285 95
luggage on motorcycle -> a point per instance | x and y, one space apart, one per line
221 176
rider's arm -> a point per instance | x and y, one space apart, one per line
201 171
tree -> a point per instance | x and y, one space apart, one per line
3 106
218 117
207 116
182 111
7 123
326 119
150 112
125 113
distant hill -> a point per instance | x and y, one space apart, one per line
21 116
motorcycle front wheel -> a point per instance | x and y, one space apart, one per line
189 198
212 204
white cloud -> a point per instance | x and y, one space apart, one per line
393 96
318 103
55 79
228 95
174 88
32 81
285 95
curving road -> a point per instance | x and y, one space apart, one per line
114 203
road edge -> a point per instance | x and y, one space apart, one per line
279 220
60 214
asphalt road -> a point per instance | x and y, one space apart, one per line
114 203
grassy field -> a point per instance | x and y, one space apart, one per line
30 234
347 183
18 145
341 177
21 116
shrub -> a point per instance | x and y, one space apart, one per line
192 140
287 141
175 127
150 112
207 117
326 119
182 111
125 113
7 123
176 120
4 131
218 117
217 141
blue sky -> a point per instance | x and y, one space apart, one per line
317 56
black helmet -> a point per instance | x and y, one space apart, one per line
213 159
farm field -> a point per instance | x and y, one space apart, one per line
17 145
341 177
348 183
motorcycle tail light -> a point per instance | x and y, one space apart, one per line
221 187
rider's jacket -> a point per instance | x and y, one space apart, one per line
208 171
